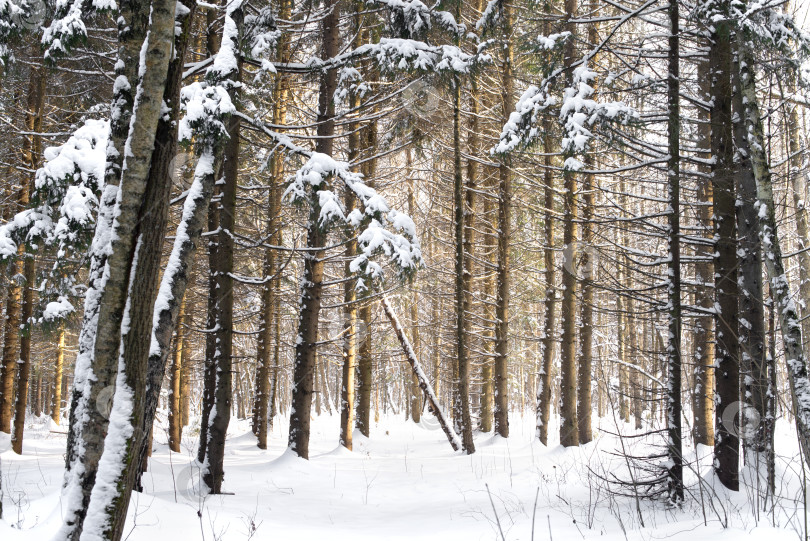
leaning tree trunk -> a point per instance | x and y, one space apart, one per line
166 312
769 235
89 407
727 358
134 266
424 384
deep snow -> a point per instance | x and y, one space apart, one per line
403 483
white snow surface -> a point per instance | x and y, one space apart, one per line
404 482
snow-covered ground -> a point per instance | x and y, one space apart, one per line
405 483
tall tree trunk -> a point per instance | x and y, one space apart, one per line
798 183
703 338
312 281
175 425
365 371
544 393
32 149
413 381
133 265
489 244
164 317
88 414
569 434
56 404
462 421
674 406
209 369
585 368
213 473
769 236
504 237
727 358
752 308
261 406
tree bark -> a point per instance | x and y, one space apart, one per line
213 473
175 425
752 308
501 387
703 339
674 406
462 421
769 236
312 281
32 149
544 393
727 358
56 404
424 384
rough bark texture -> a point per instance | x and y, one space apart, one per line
462 421
501 386
753 367
703 339
173 283
674 406
213 472
134 265
32 149
88 414
727 357
585 364
311 283
549 321
569 435
769 236
424 384
56 403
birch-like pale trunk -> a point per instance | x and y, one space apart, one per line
785 308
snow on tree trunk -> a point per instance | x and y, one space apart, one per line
88 414
785 307
133 266
424 384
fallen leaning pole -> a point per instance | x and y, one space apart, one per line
410 355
